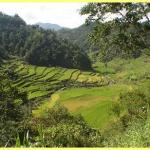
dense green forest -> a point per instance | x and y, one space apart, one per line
22 40
84 87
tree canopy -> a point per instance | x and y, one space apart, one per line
122 28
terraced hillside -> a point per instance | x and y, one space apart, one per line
90 94
41 82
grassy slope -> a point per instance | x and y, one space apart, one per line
93 103
132 69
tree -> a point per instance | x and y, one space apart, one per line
100 37
124 30
2 53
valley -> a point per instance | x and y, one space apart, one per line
82 87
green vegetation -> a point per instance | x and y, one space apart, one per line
27 41
14 110
133 128
60 129
79 36
125 35
52 96
74 89
32 78
93 104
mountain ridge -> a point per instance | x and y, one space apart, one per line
51 26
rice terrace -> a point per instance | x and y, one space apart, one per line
87 86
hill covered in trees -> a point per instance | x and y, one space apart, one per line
37 46
78 36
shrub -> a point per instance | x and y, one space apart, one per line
132 130
71 135
61 129
136 102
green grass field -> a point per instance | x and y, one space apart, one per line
94 104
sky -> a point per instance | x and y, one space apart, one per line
63 14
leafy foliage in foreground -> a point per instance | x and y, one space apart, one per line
124 34
132 130
61 129
13 111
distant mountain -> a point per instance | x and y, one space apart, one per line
49 26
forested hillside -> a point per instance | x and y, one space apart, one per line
78 36
37 46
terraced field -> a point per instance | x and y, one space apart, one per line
90 94
41 82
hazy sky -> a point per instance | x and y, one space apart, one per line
64 14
